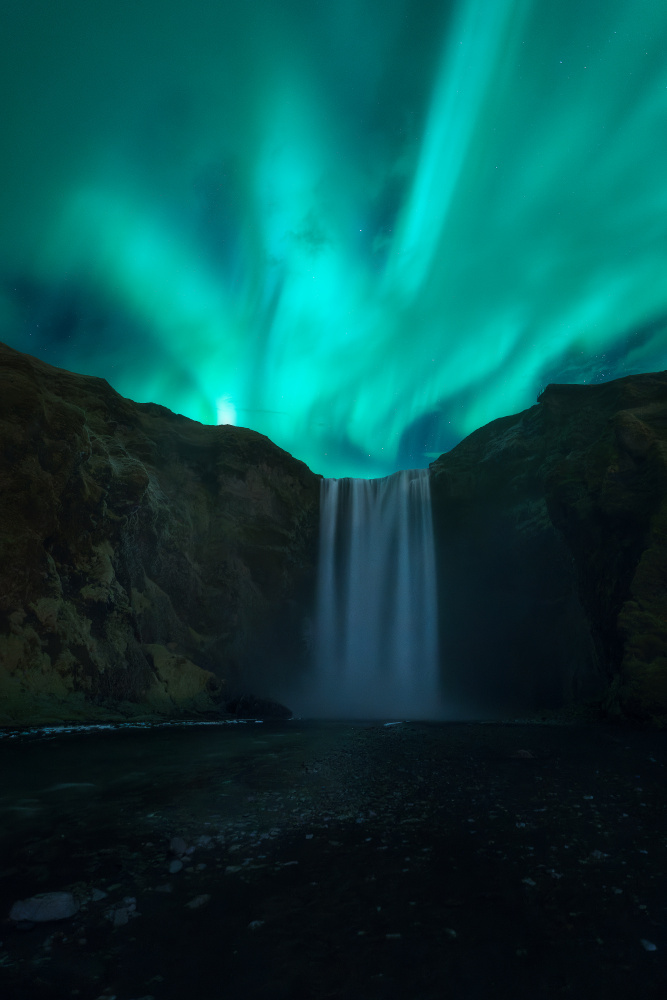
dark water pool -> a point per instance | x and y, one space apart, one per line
352 860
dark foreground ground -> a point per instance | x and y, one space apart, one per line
345 860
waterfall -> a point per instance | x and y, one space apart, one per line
376 621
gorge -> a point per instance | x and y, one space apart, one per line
153 565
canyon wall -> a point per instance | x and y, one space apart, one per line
148 564
551 533
153 566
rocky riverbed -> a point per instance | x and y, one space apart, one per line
349 860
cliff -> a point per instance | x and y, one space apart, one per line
552 546
148 564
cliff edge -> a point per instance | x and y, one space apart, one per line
552 530
148 563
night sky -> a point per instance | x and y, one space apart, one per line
361 227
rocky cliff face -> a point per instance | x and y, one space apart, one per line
153 565
552 546
148 563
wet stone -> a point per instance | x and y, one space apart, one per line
198 901
45 906
178 846
549 865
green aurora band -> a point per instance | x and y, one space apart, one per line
362 228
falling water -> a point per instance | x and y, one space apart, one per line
376 624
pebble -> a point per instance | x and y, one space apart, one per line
177 846
120 915
175 866
45 906
198 901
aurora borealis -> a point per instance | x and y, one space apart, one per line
363 228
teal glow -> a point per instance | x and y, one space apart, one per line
363 228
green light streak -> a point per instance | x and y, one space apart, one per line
363 230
